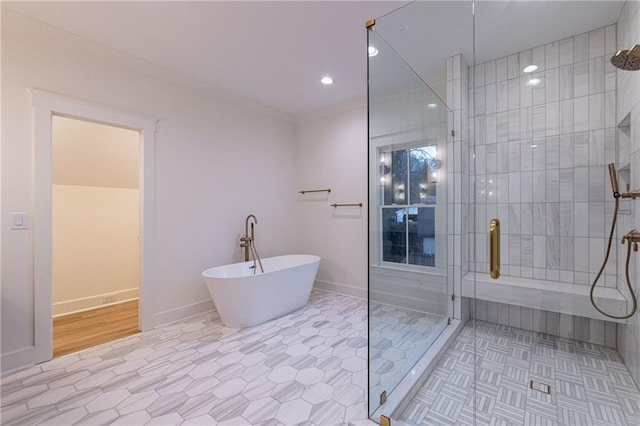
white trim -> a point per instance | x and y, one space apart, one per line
92 302
344 289
44 105
18 360
183 312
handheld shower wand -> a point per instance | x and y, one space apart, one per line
614 180
613 175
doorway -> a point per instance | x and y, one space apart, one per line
95 233
45 106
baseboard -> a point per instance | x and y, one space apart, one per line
17 360
92 302
171 315
347 290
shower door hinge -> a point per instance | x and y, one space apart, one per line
448 321
370 23
384 420
453 297
383 397
453 133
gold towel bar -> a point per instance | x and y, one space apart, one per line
346 205
304 191
494 248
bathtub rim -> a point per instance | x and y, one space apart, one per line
312 258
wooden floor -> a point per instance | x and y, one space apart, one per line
86 329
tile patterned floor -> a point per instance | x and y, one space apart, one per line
399 337
590 384
307 367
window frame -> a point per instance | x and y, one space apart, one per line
438 267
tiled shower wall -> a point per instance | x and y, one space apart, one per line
628 104
458 209
568 326
541 156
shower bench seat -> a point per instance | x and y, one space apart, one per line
554 296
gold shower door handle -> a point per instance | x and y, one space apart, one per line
494 248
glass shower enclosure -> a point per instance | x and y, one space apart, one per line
513 113
409 288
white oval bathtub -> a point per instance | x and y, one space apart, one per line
244 299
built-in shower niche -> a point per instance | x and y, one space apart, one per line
624 163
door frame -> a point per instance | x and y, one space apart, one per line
44 106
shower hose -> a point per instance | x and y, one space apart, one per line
604 264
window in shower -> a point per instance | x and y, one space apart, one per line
408 179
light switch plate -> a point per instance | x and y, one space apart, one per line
19 220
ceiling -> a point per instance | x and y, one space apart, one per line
276 52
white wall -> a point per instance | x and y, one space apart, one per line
95 246
218 158
331 153
94 154
96 214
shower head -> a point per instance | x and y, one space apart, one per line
628 60
614 180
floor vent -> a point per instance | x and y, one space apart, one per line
540 387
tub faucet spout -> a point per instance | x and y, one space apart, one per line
246 240
248 243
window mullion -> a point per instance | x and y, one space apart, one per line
407 201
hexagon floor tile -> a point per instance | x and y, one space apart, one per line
298 368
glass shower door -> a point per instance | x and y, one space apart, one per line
409 287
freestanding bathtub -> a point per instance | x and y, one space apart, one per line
244 299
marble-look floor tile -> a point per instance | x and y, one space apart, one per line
582 389
304 367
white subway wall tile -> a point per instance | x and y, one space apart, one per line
610 40
567 326
538 57
581 47
596 43
596 111
565 82
552 80
581 114
566 117
513 93
596 75
503 314
565 51
490 72
513 66
501 69
552 150
581 79
566 143
514 315
551 55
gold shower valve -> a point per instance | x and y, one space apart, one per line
633 237
631 194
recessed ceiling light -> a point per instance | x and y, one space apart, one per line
534 82
432 106
326 80
534 146
372 51
530 68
